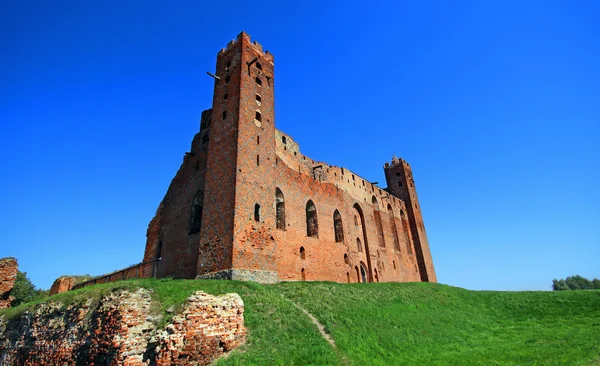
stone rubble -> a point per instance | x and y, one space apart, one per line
121 330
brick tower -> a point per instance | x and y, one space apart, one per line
238 213
402 185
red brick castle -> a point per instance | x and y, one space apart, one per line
247 205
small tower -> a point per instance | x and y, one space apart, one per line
401 184
238 216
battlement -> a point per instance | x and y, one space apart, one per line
245 36
396 161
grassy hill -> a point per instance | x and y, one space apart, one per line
396 323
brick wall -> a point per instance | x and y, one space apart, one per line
118 331
8 275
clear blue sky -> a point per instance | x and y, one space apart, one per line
496 105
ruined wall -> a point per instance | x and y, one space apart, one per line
62 284
169 235
121 330
8 275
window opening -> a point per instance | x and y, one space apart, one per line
338 227
279 209
302 253
257 212
258 81
196 212
224 114
257 116
346 259
312 224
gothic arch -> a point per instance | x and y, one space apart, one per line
358 210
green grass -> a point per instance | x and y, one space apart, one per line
395 323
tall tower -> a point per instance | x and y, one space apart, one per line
238 213
401 184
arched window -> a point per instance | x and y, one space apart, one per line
302 253
358 245
346 259
394 228
196 213
279 209
337 226
257 116
363 273
257 212
378 225
303 275
312 223
405 230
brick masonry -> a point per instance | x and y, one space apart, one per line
219 217
62 284
121 330
8 275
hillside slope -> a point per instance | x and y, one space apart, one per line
394 323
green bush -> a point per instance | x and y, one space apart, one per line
24 291
575 283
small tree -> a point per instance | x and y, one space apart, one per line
23 290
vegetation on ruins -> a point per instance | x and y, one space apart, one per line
392 323
24 290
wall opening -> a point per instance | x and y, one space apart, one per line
346 259
257 160
159 250
363 273
283 139
357 274
258 116
376 275
394 263
258 81
224 114
279 209
312 223
258 98
258 140
227 78
302 253
358 245
338 227
348 276
359 213
196 212
258 66
257 212
303 275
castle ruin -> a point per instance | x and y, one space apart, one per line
246 204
